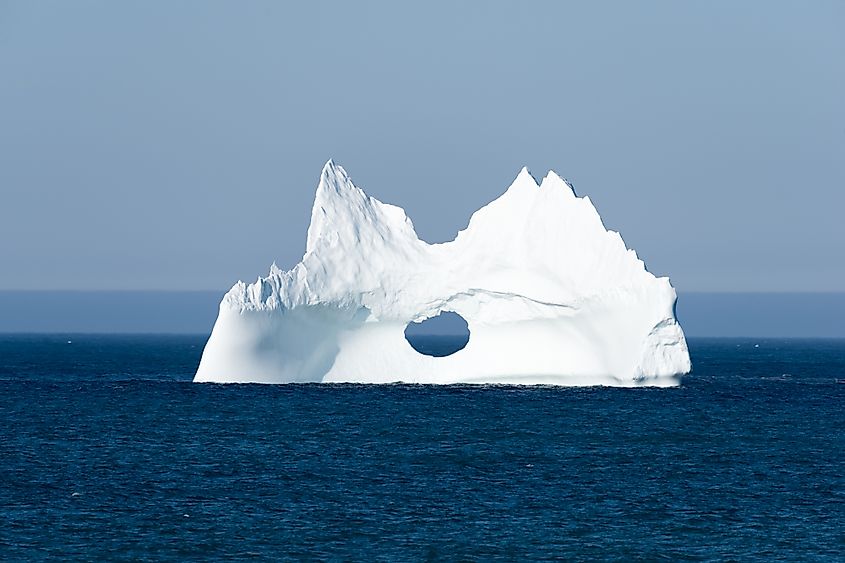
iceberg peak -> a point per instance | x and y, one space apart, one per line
553 181
334 179
524 181
525 175
337 203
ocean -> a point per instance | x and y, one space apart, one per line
109 452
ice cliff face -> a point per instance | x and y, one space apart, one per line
549 294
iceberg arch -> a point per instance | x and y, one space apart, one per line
549 294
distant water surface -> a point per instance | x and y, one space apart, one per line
107 451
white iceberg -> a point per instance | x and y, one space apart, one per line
549 294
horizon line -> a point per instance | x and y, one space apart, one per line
206 290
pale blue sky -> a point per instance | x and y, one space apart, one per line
177 145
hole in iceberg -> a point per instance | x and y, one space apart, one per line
438 336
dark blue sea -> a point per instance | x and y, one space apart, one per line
108 451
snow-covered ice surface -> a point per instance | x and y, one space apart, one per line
550 296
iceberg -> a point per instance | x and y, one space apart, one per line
550 296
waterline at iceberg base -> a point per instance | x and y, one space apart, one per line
549 295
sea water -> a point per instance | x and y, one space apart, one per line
108 451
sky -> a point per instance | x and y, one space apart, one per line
177 145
